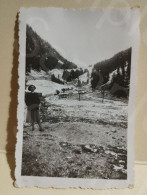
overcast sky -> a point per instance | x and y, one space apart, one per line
85 36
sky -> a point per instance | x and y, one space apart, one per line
84 37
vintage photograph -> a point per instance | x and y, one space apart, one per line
77 78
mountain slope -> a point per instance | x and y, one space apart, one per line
40 55
115 70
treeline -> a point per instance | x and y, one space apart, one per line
73 74
56 80
40 55
120 63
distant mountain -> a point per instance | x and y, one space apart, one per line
40 55
115 70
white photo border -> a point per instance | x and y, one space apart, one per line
56 182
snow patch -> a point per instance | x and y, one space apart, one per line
57 72
37 75
83 78
60 62
111 75
47 87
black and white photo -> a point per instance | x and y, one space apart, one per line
77 78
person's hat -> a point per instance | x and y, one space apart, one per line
29 88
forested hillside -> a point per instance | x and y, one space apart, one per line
40 55
114 70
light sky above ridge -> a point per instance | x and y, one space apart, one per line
84 37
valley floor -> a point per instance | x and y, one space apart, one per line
81 139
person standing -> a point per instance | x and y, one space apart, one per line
32 101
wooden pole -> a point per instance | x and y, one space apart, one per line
79 96
103 94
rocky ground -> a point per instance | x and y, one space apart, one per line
81 139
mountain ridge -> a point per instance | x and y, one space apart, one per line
41 55
113 70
